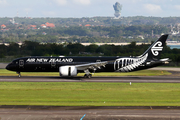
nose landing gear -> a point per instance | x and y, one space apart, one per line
19 74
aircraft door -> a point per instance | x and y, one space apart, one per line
98 60
53 64
69 71
21 63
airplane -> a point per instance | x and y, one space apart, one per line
71 66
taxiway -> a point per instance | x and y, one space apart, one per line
75 113
133 79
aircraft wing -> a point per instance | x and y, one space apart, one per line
92 66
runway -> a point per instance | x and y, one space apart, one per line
70 113
133 79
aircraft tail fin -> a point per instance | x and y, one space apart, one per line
154 51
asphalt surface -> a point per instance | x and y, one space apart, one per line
3 65
91 114
132 79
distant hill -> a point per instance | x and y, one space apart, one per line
105 21
91 30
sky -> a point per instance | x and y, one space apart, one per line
88 8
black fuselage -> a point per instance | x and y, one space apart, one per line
52 64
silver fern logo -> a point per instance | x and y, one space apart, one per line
129 64
156 48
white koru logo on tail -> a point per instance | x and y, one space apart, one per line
156 48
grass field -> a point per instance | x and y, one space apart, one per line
4 72
89 94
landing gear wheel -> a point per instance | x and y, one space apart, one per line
87 75
19 74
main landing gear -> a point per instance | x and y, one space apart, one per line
19 74
87 75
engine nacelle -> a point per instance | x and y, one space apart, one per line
68 71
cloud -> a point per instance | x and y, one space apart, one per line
50 13
151 8
3 2
84 2
61 2
27 9
177 7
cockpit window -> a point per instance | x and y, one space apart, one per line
14 62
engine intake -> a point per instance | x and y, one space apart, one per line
68 71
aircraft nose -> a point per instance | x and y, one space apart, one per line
8 67
11 67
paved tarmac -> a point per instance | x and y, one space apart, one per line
3 65
91 114
132 79
166 68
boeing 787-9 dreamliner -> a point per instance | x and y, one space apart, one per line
71 66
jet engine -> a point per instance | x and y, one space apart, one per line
68 71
